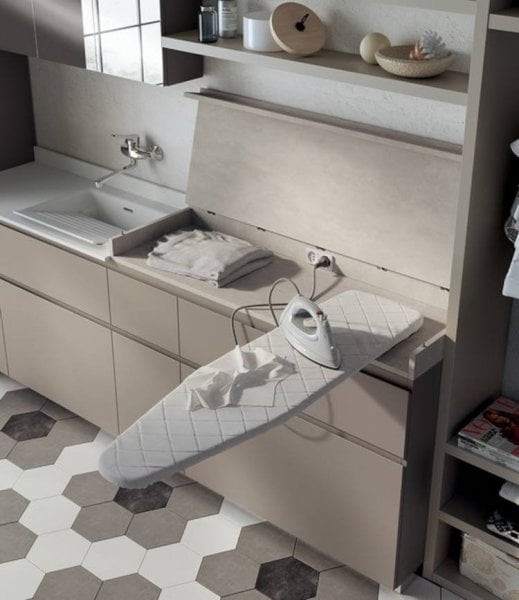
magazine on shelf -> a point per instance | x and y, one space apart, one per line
494 433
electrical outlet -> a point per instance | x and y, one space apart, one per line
314 257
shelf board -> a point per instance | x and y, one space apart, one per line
451 87
448 576
470 515
476 460
505 20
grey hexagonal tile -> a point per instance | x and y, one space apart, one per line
20 401
6 444
156 528
194 501
15 542
178 480
264 543
130 587
287 579
102 521
28 426
153 497
313 558
12 506
228 573
57 412
345 584
248 595
91 488
31 454
73 583
70 432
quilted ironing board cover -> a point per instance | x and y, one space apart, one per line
170 438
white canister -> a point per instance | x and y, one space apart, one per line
256 32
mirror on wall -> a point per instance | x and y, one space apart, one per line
123 38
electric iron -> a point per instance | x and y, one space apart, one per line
308 331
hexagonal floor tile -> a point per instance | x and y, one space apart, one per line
287 579
130 587
50 514
188 591
248 595
12 506
264 543
113 558
35 453
313 558
90 488
82 458
57 412
211 535
153 497
178 480
237 515
6 445
21 401
156 528
28 426
9 474
194 501
73 431
345 583
42 482
228 573
15 541
19 579
170 565
102 521
58 550
75 583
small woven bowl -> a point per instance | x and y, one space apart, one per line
395 60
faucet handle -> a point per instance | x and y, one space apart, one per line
127 137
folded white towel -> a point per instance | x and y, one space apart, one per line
510 491
207 255
223 383
511 285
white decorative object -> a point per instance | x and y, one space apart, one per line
430 46
371 44
256 32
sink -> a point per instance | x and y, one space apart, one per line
95 216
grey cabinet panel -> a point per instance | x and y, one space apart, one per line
17 27
59 31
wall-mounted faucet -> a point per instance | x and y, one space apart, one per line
132 149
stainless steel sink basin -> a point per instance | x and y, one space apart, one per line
95 216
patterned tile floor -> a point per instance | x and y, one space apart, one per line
68 534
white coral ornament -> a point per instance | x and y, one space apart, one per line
430 46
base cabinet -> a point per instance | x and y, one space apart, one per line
60 354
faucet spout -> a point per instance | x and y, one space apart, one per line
100 182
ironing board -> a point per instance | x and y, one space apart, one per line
169 438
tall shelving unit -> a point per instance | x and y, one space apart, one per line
478 314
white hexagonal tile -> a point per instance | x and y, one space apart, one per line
210 535
170 565
9 474
50 514
112 558
58 550
188 591
42 482
238 515
9 385
19 579
81 458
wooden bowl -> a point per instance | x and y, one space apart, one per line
395 60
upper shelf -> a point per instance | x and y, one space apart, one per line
505 20
336 66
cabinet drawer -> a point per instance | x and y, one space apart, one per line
367 408
144 311
339 497
206 335
56 273
143 377
3 356
60 354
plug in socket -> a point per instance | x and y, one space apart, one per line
314 257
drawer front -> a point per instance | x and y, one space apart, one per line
56 273
367 408
3 356
142 376
342 499
60 354
206 335
144 311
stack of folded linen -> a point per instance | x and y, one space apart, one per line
207 255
